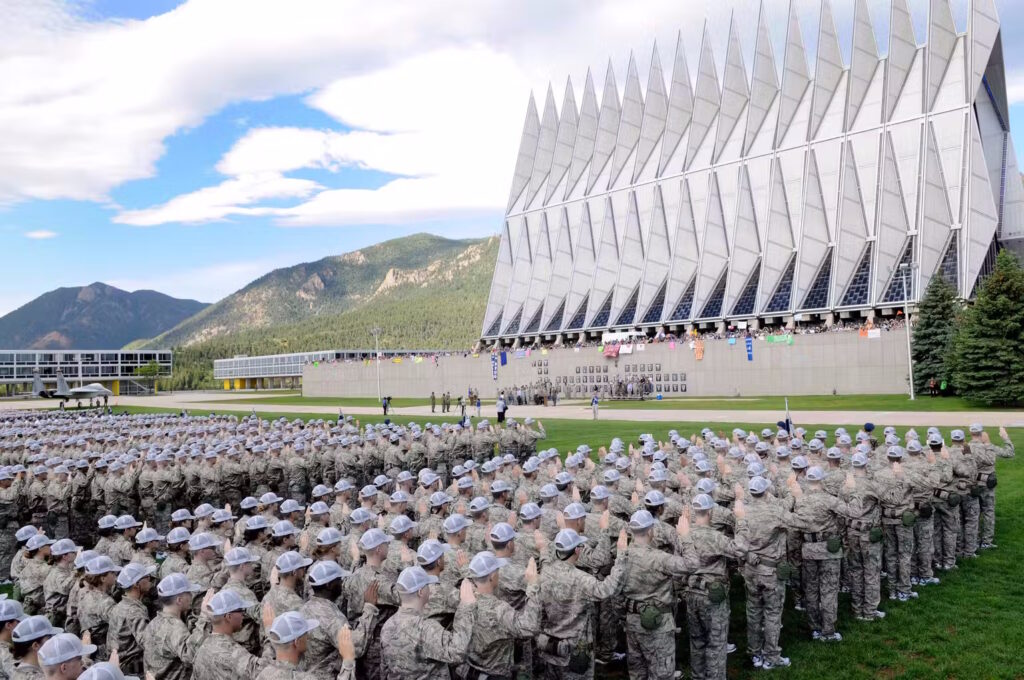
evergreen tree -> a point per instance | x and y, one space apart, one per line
933 334
989 344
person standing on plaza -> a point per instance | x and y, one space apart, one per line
594 404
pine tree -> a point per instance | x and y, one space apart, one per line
989 344
933 334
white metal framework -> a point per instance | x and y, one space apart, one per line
758 195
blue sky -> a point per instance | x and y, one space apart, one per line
190 147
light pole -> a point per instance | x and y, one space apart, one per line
376 356
905 269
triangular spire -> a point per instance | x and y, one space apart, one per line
499 282
779 245
583 261
794 78
828 69
564 141
863 62
853 228
983 218
545 146
606 268
765 86
680 106
684 247
607 128
746 246
561 266
655 113
892 226
521 270
714 252
631 264
659 252
586 133
629 122
814 238
734 91
540 276
706 99
941 44
983 31
938 218
527 150
902 49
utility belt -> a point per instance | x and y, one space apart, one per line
716 589
906 516
987 479
467 672
650 613
860 524
951 498
923 510
579 651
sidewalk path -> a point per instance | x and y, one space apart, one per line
198 402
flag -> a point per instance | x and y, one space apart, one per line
750 348
700 349
626 349
418 360
494 366
504 358
521 353
732 341
672 344
611 351
875 333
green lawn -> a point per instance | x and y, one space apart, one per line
856 402
967 627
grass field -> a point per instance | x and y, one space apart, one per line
967 627
857 402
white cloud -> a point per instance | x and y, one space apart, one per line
231 197
87 106
40 234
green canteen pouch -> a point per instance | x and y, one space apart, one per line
991 481
875 535
580 659
784 571
909 518
975 491
716 593
650 617
833 544
953 500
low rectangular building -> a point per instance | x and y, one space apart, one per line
118 370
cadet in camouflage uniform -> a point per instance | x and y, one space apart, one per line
10 495
986 454
649 602
864 541
129 617
761 532
414 646
219 657
59 580
965 469
707 592
95 603
374 545
325 581
569 595
169 648
896 494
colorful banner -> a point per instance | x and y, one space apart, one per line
494 366
781 339
504 358
611 351
699 349
750 349
418 360
626 349
875 333
520 354
641 347
543 352
732 341
672 344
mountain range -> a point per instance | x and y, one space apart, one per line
422 291
96 316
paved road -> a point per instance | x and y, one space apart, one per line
197 402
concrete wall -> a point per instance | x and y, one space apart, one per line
813 364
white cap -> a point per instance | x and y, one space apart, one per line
289 627
239 556
132 573
105 671
430 551
176 584
101 565
641 519
485 563
567 539
291 561
11 610
202 541
33 628
227 601
325 571
373 538
63 647
414 579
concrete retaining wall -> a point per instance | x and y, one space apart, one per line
845 363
